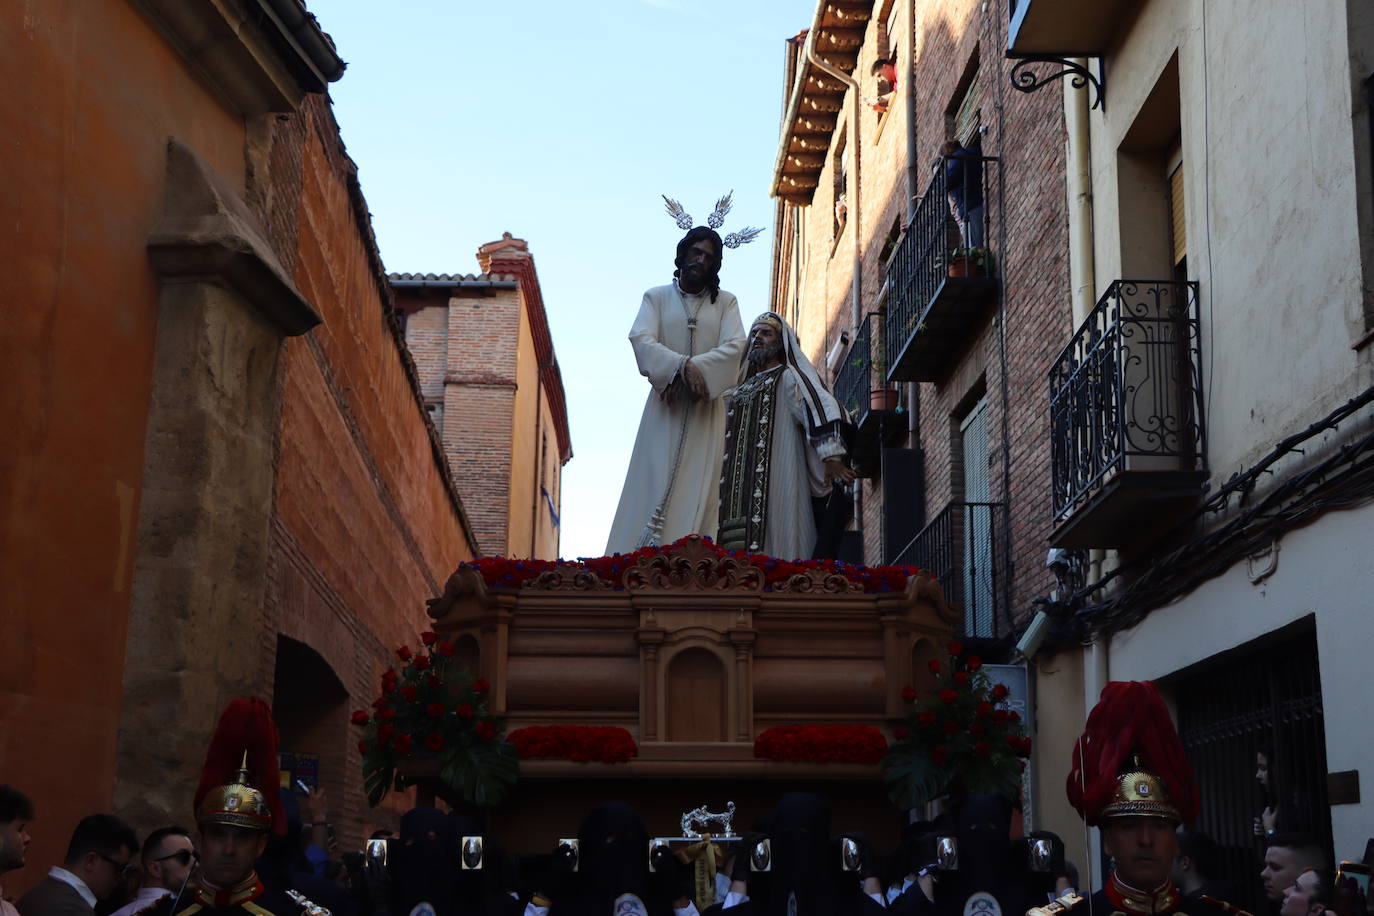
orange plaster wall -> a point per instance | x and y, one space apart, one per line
92 94
348 409
524 458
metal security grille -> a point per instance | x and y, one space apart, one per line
1268 700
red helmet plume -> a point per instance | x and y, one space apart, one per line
1130 730
246 731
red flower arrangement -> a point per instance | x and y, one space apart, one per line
501 572
433 709
960 739
582 743
821 743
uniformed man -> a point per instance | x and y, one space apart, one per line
1132 779
235 816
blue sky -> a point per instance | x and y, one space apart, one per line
562 123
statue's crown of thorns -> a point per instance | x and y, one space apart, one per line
715 220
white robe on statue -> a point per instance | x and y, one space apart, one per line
660 338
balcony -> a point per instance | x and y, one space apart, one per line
962 549
1127 437
941 280
1063 28
870 401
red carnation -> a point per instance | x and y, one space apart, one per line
464 710
955 648
429 638
485 730
362 747
900 733
1000 692
410 691
983 709
480 685
434 741
402 743
951 728
949 697
434 710
1025 747
384 733
909 694
926 719
973 662
934 665
1014 742
981 749
961 678
421 662
1014 716
938 755
403 653
445 649
379 703
432 681
360 718
386 714
977 729
389 676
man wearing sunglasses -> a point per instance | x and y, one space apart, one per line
99 858
168 856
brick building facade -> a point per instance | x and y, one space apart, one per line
957 470
491 383
222 478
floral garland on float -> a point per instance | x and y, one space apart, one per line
504 572
433 715
821 743
959 740
580 743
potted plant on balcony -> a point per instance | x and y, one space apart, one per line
970 262
883 394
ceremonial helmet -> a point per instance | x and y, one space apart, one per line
1130 762
241 771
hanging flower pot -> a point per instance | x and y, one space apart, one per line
882 399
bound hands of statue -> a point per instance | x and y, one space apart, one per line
696 382
836 469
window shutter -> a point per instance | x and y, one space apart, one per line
966 118
1176 209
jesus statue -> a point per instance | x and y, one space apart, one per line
688 340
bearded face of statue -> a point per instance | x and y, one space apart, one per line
765 346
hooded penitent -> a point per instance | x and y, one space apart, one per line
802 882
426 862
613 860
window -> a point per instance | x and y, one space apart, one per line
964 115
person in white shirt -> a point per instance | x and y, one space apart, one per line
168 857
99 858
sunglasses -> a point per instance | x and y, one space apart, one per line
183 857
123 869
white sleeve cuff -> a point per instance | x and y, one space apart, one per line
734 898
532 910
689 910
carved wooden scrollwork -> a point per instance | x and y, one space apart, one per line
694 566
817 582
568 579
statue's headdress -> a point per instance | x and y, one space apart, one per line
238 784
1130 760
715 220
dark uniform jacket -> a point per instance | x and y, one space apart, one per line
1116 899
248 898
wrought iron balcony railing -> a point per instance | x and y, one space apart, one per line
855 378
865 394
962 548
1126 399
942 271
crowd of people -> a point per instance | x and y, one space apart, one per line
440 864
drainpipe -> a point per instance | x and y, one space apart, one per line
913 175
855 183
855 192
1083 279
